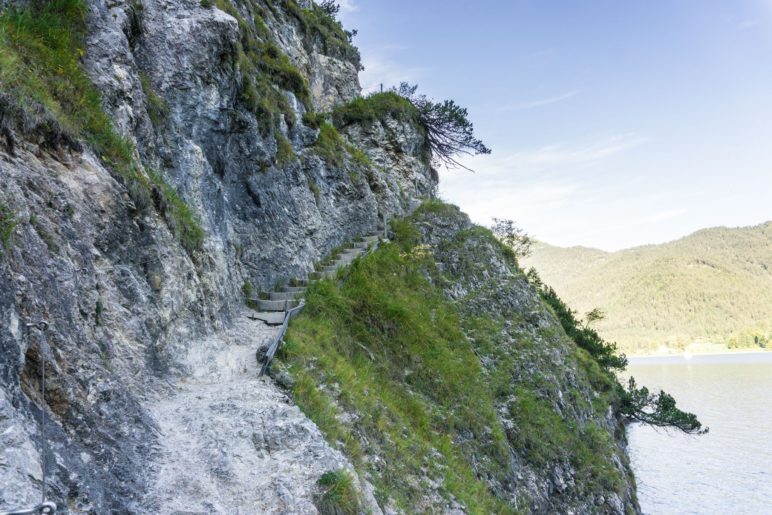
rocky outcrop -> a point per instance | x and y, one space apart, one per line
545 370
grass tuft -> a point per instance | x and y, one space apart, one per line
338 495
8 223
375 107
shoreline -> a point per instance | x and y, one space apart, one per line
695 354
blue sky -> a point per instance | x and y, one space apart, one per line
612 123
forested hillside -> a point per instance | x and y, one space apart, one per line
714 286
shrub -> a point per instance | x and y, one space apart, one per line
320 26
373 108
314 120
513 237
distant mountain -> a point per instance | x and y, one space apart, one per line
714 286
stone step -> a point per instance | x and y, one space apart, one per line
283 295
351 253
315 276
275 305
269 317
293 289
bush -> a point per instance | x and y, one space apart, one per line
320 26
586 338
373 108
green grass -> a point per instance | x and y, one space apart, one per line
383 341
157 108
8 223
180 218
424 387
373 108
40 52
338 495
318 27
285 154
330 145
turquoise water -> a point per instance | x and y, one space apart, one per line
727 471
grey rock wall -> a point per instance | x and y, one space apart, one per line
124 300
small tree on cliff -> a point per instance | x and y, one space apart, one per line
659 410
635 404
514 237
330 7
448 129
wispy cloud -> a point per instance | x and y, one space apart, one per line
539 103
383 70
553 156
348 6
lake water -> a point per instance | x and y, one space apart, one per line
727 471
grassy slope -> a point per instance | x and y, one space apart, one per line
47 88
420 390
711 285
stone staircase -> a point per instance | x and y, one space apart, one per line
272 306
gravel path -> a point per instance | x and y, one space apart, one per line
232 443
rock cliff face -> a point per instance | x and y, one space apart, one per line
123 298
127 304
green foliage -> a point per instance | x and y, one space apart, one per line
512 237
178 215
448 129
319 26
372 108
265 70
585 337
157 108
248 290
284 151
330 145
40 48
206 4
314 120
709 291
8 223
542 434
338 496
657 410
395 347
635 404
40 51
